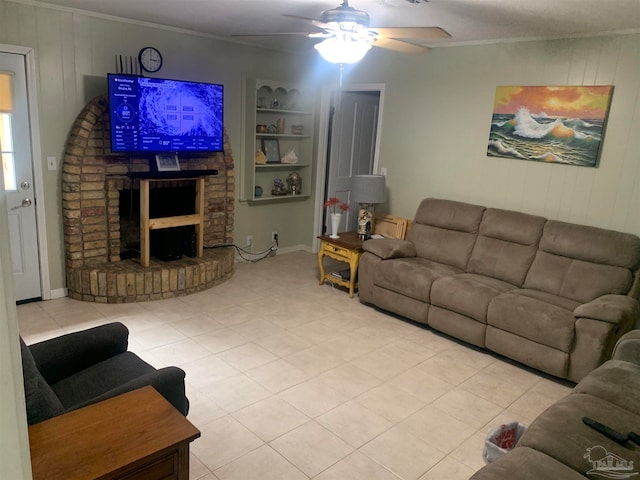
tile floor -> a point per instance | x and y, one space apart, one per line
291 380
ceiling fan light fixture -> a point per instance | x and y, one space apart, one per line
343 49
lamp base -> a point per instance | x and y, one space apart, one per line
364 222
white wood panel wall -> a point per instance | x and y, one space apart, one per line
435 130
75 51
437 120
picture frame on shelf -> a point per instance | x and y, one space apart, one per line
271 149
167 162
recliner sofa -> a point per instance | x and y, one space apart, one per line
552 295
558 445
82 368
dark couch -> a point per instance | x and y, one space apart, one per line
81 368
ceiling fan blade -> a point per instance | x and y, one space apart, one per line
312 21
399 45
280 34
422 33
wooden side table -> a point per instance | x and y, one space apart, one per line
348 249
134 436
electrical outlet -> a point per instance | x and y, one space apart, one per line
383 171
274 236
249 240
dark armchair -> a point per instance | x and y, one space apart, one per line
78 369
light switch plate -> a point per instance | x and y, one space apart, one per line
52 163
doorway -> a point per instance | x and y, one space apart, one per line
17 144
352 120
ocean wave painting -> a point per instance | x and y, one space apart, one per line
550 124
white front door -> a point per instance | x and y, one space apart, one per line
15 145
352 145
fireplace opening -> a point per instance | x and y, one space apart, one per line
166 244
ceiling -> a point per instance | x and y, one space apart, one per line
468 21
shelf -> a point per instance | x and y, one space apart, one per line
174 175
282 135
272 102
281 165
268 198
281 110
148 224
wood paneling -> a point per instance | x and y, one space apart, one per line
445 100
74 51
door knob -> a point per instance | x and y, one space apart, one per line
25 185
25 203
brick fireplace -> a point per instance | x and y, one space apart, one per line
92 182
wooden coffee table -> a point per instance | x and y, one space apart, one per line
347 248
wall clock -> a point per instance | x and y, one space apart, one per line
150 59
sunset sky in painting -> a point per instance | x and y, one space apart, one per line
572 102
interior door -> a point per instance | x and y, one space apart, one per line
15 145
352 141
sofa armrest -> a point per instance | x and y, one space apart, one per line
627 348
63 356
616 309
168 381
387 248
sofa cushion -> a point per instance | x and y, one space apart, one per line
616 382
41 402
576 279
591 244
526 464
411 277
561 302
534 319
560 433
448 214
100 378
506 245
445 231
583 263
468 294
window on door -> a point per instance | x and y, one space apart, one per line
6 133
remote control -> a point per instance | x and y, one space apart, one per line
606 431
634 437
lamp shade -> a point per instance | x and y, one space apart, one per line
369 189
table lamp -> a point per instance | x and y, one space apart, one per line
367 190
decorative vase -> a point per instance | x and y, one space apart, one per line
335 223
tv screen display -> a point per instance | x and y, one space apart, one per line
160 115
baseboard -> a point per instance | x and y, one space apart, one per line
59 293
295 248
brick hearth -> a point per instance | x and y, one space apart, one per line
91 180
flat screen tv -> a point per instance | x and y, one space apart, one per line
159 115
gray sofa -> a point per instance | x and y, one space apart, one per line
558 445
552 295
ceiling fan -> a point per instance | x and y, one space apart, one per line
344 28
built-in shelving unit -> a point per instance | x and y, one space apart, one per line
282 114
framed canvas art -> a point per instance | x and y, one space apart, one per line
563 124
